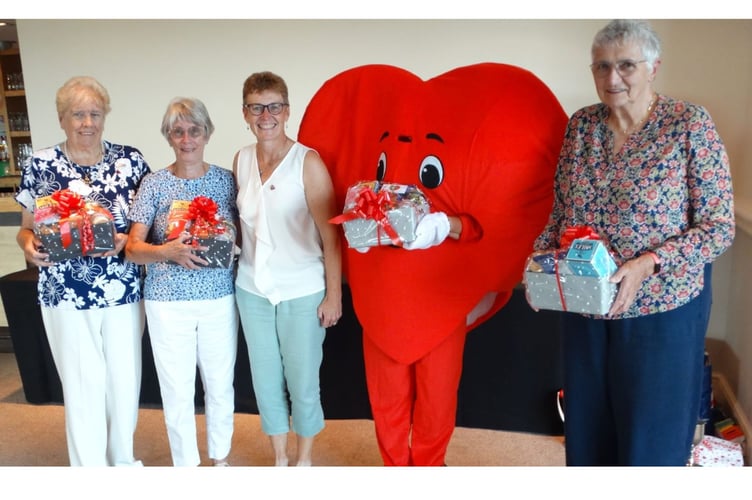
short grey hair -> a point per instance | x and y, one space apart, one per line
78 87
621 31
188 109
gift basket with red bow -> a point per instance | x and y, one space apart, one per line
378 213
574 277
207 229
70 226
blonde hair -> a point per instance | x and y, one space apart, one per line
78 87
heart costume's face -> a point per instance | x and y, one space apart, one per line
480 141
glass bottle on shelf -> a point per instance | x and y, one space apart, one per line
4 163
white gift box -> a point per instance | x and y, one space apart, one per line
717 452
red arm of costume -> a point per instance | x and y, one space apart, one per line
469 230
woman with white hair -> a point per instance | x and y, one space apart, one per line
650 175
91 304
190 306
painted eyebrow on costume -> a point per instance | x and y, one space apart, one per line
400 138
407 138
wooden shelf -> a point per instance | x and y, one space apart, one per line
9 204
12 101
9 181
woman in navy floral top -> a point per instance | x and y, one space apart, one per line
651 176
91 305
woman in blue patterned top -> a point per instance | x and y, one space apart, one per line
651 176
91 305
190 306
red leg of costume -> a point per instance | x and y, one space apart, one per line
414 406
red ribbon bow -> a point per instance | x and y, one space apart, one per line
68 202
203 208
373 206
202 214
68 205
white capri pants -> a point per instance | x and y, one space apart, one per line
186 334
97 353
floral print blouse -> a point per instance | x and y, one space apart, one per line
668 190
88 282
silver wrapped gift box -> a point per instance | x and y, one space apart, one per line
389 214
574 280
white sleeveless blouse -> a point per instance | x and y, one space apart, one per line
281 256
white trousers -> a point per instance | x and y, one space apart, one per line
186 334
97 353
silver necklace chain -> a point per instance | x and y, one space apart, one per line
86 170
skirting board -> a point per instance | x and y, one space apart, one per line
726 399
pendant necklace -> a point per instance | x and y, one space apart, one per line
635 127
272 166
86 171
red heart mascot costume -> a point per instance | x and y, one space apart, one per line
481 142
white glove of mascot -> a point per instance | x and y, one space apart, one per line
432 230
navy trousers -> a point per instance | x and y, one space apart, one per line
632 387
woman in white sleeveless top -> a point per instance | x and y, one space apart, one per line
289 285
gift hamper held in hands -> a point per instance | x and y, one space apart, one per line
207 229
378 213
70 226
574 277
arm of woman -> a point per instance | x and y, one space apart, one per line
319 192
138 250
710 220
238 231
29 243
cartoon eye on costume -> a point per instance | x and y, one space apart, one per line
431 172
381 167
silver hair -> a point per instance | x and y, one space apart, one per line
621 31
188 109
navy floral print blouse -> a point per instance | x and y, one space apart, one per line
88 282
668 190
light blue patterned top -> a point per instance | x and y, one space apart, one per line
169 282
88 282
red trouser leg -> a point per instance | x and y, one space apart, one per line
414 406
391 391
437 378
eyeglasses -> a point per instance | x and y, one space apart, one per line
624 67
274 108
193 132
80 116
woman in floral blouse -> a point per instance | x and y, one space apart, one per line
91 305
650 175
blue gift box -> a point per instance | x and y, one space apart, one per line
587 257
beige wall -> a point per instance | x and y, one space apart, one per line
144 63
